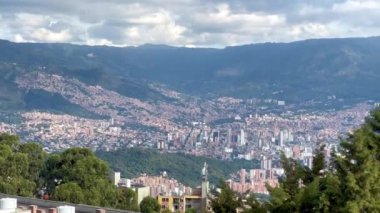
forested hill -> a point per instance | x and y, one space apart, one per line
185 168
297 71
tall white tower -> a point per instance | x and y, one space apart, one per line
205 187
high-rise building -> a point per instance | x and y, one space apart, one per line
262 162
281 143
115 177
242 176
266 163
242 137
215 136
229 135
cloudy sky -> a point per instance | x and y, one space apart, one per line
198 23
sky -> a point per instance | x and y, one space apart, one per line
190 23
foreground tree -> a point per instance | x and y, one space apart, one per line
358 167
79 170
226 200
252 205
19 169
149 205
75 175
127 198
351 184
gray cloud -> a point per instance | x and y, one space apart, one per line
185 22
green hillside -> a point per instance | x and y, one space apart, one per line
185 168
297 71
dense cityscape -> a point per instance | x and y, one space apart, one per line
260 135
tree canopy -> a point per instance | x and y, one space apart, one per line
75 175
149 205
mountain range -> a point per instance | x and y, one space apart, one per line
295 72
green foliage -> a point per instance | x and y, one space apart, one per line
358 167
36 158
251 205
226 201
75 175
17 186
19 169
79 170
127 197
133 162
149 205
191 210
69 192
166 211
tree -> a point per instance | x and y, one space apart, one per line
149 205
358 167
13 141
283 198
75 175
69 192
89 173
226 201
36 158
15 173
252 205
166 211
126 199
191 210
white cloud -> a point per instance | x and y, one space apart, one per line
92 41
43 34
310 30
224 20
185 22
159 27
19 38
31 20
357 6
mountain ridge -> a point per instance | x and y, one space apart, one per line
296 71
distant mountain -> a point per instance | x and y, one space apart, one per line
312 69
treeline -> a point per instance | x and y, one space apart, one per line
75 175
350 182
185 168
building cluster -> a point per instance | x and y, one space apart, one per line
225 127
57 132
186 124
170 194
7 128
255 180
